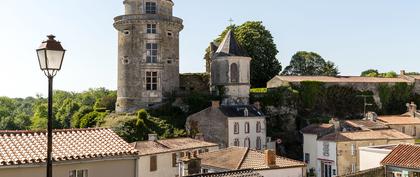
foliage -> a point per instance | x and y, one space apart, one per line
375 73
258 90
394 98
259 44
310 64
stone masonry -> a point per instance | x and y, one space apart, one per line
148 53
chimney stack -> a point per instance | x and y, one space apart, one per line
412 109
199 136
153 137
402 73
215 104
270 158
257 105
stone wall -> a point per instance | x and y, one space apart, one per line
194 82
375 172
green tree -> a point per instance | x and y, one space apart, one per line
260 46
310 64
370 73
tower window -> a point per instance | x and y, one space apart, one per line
150 8
258 127
169 33
151 28
247 127
234 73
236 128
152 49
258 143
151 80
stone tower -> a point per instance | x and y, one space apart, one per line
230 71
148 53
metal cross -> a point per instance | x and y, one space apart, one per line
231 21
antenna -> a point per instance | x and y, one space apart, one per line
365 104
231 21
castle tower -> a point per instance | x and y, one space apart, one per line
230 72
148 53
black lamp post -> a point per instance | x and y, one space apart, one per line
50 57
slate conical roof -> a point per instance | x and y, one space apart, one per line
230 46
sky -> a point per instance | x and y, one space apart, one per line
355 34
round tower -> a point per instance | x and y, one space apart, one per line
148 53
230 72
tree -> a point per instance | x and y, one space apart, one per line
375 73
259 44
310 64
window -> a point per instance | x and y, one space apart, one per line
307 158
150 8
246 127
353 149
353 168
247 143
236 128
236 142
151 81
403 129
258 127
174 160
234 73
78 173
326 149
151 28
182 154
258 143
414 131
153 163
151 52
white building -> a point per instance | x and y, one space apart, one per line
326 161
159 158
371 157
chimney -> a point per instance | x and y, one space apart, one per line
257 105
270 158
402 73
199 136
412 109
246 112
190 165
336 124
153 137
215 104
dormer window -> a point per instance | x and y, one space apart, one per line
150 8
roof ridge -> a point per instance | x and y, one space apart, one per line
45 131
243 158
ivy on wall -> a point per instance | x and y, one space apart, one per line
394 97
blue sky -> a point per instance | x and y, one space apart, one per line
355 34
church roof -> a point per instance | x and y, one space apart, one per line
230 46
239 111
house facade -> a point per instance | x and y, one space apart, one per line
372 156
160 158
76 153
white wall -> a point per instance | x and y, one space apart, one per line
310 146
252 135
331 157
371 157
286 172
164 164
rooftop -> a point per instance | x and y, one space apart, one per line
366 124
317 129
239 111
338 79
404 155
388 134
29 147
169 145
235 158
399 120
230 46
235 173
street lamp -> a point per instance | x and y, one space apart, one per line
50 57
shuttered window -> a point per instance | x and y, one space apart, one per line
153 163
174 160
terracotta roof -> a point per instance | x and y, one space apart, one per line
366 124
317 128
28 147
234 158
399 120
235 173
169 145
404 155
341 79
388 134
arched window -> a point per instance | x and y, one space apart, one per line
258 143
234 73
236 142
246 127
258 127
414 131
403 129
247 143
236 128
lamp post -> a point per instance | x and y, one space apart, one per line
50 57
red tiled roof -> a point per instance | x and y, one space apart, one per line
169 145
235 158
404 155
235 173
29 147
